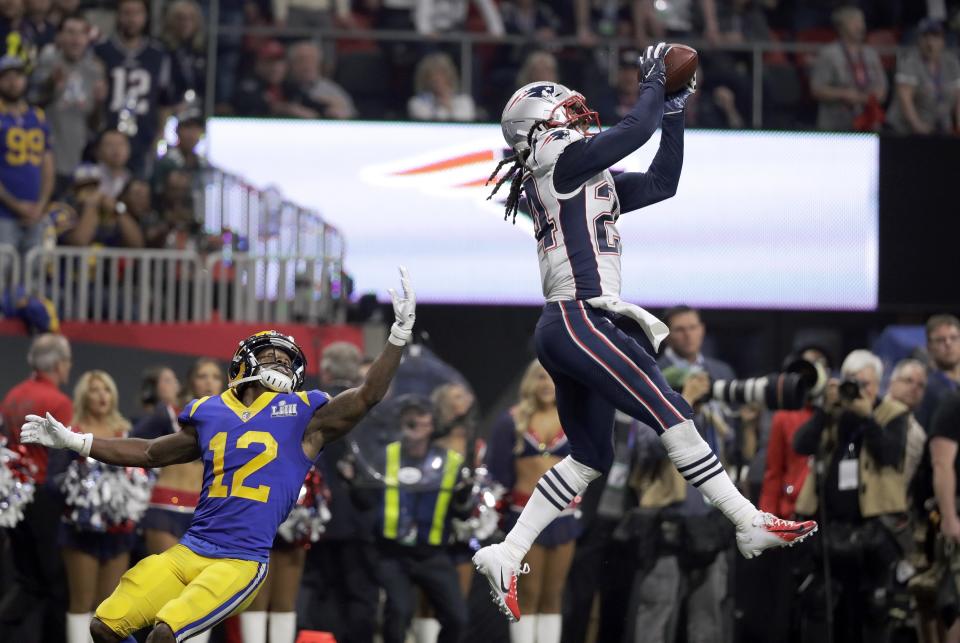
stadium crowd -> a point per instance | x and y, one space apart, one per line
88 91
639 557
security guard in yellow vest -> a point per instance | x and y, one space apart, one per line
422 493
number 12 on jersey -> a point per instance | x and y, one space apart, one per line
218 445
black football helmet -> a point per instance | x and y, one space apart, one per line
244 366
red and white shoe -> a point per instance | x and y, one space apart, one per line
767 531
501 573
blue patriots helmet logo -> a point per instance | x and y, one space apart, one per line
540 91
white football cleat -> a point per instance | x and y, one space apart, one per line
501 573
767 531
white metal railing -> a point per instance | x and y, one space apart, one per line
165 286
9 268
114 284
280 289
260 222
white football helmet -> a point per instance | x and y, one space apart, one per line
552 104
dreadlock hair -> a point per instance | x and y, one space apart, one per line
517 174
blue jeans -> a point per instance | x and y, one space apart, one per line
21 237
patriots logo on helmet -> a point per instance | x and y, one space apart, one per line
537 91
540 91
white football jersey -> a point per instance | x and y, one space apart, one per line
577 238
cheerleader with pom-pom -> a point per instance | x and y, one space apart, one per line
96 534
17 473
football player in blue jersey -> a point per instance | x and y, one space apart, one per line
257 441
598 349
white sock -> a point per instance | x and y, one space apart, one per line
548 628
283 627
202 637
524 630
78 628
425 630
555 491
253 627
702 468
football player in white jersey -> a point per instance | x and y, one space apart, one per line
599 350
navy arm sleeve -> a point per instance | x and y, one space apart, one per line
640 189
500 457
585 158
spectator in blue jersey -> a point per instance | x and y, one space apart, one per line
138 72
943 347
185 39
26 161
69 83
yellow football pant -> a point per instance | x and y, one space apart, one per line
188 592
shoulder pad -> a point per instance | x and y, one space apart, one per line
547 147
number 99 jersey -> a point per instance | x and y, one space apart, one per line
577 239
253 469
24 140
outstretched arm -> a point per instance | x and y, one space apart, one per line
335 419
177 448
583 159
640 189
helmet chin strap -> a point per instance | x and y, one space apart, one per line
270 379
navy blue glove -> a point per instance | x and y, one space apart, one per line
675 102
652 68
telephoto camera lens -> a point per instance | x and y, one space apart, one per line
849 390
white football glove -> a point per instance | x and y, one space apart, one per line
405 311
49 432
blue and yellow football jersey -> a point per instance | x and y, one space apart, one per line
253 469
24 140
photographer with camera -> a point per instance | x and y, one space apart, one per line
682 540
859 492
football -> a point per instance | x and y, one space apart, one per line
681 62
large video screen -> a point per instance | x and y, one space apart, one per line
760 219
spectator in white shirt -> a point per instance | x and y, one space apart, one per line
436 95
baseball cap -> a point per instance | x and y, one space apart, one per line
9 62
190 115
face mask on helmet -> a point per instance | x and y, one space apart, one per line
276 380
573 112
246 367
